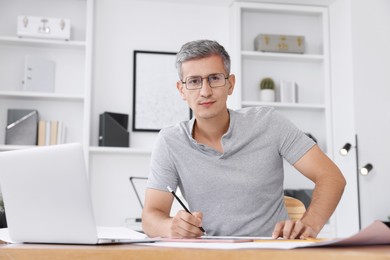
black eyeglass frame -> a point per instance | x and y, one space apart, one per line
208 80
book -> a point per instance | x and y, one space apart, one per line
288 92
48 133
60 132
53 132
41 132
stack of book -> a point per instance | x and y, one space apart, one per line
51 132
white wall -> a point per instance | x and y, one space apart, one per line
347 214
371 73
122 26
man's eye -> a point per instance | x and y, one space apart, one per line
215 78
194 81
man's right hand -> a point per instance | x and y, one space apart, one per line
185 225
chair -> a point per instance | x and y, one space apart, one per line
295 208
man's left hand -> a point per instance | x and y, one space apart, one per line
290 229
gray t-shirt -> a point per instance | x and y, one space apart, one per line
240 191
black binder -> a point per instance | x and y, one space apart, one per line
113 129
22 127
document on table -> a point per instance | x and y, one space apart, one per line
378 233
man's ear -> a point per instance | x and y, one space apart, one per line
232 83
179 87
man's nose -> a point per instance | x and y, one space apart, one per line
206 90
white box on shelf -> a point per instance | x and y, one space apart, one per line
43 27
38 74
288 92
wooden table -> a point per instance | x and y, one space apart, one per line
72 252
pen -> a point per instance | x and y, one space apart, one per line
182 204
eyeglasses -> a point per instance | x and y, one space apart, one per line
214 80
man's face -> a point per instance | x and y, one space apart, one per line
206 102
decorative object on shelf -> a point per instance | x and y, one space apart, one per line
280 43
43 27
267 90
344 151
156 101
51 132
288 92
38 74
113 129
21 127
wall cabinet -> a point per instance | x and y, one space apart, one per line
310 70
70 100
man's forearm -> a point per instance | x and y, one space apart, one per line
326 196
156 223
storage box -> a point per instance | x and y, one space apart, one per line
280 43
22 127
43 27
113 129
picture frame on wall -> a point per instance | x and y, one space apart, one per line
156 100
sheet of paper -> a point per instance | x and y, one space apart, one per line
376 233
244 245
206 240
4 236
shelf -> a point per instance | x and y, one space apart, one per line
12 41
283 56
5 147
283 105
39 95
119 150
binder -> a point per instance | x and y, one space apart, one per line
38 74
22 127
113 129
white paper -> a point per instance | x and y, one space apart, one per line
375 234
4 236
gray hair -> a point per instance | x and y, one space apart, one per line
201 49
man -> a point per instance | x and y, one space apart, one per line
229 164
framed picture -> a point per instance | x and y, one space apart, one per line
156 101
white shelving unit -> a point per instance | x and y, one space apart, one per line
70 101
310 71
119 150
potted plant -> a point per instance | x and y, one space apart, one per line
267 90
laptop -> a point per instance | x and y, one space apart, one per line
47 198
